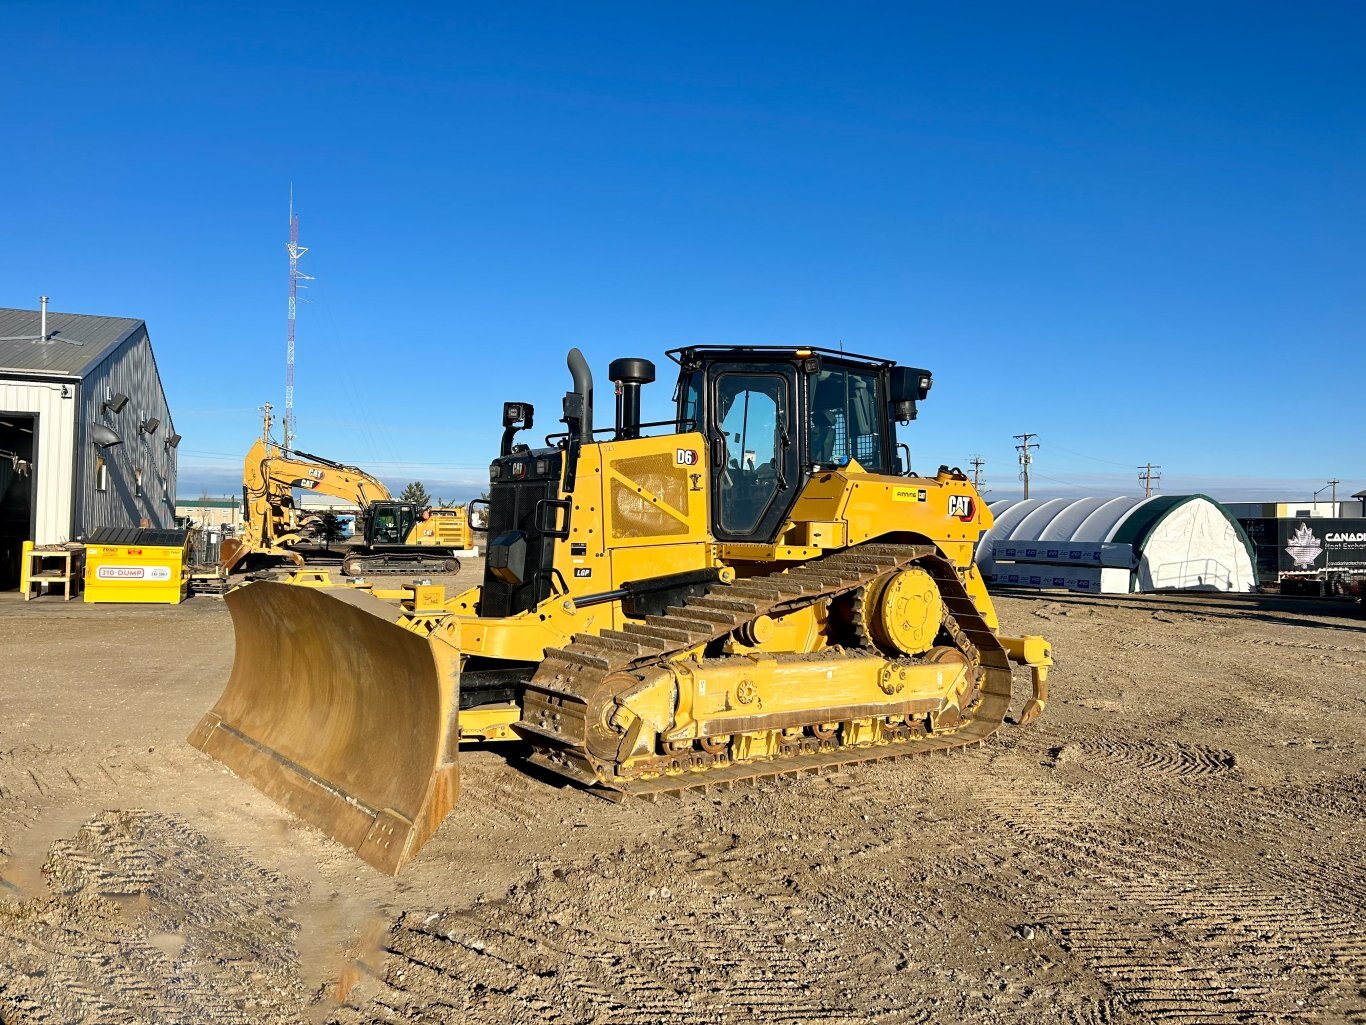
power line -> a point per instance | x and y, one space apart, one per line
1026 458
1149 478
1083 455
977 463
1079 487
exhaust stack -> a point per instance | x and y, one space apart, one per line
629 375
578 404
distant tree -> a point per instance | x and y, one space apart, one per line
330 527
417 494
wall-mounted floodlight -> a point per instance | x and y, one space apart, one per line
116 403
173 441
104 437
150 425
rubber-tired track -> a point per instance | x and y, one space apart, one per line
569 684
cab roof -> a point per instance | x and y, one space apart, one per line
697 353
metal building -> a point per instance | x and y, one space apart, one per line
86 435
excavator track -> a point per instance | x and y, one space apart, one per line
560 705
390 562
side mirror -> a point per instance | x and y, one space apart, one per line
908 386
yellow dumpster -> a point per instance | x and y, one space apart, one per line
131 564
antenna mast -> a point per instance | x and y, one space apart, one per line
295 251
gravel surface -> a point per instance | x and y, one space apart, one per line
1181 837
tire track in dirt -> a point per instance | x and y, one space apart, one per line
150 921
1163 758
1208 913
757 922
561 949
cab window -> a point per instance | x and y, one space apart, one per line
388 529
845 420
750 416
689 399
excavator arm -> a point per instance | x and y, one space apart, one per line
270 474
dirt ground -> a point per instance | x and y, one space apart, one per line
1182 837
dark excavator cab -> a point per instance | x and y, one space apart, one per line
388 523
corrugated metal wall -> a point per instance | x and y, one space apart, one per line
130 369
53 455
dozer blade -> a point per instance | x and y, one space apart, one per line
340 715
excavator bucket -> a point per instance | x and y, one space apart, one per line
340 715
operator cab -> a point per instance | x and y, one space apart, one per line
773 416
388 523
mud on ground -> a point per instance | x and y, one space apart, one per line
1182 837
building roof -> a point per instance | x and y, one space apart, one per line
77 342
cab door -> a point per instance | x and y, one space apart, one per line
754 453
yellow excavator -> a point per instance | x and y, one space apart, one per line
396 536
758 586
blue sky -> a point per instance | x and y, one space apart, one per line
1134 230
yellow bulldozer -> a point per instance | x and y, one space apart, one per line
758 586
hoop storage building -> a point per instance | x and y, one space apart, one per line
1118 545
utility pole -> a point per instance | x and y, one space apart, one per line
266 419
1146 475
1026 458
1335 482
295 251
977 463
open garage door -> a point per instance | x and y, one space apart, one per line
18 434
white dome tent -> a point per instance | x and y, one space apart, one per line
1118 545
